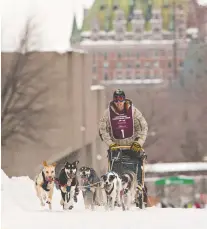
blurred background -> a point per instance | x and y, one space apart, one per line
62 60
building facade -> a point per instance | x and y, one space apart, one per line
69 129
134 41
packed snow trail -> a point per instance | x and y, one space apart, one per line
21 210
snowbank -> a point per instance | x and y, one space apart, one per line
21 210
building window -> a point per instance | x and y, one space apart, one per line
147 64
162 53
156 30
137 75
94 69
199 60
157 16
119 65
137 55
146 75
181 63
94 57
105 76
106 64
105 56
138 30
115 7
169 65
152 75
129 65
156 53
118 75
156 64
128 54
119 55
137 65
102 7
169 52
128 76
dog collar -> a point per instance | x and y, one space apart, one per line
109 193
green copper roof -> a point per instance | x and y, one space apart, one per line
75 34
104 12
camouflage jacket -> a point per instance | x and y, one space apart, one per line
140 128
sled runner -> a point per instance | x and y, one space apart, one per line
123 159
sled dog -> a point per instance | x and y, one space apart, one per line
129 184
68 184
44 184
111 190
90 185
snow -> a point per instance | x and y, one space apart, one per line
88 42
192 30
134 81
21 210
97 87
176 167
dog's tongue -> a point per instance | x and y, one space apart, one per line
49 179
84 180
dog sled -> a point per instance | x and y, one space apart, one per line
123 159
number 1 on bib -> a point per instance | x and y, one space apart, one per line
122 131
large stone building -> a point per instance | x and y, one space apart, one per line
133 41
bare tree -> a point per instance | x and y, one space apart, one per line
21 91
194 96
151 102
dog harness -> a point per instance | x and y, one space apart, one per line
45 182
87 182
109 193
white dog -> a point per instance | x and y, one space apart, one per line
129 184
111 190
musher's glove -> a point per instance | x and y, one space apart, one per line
113 146
136 147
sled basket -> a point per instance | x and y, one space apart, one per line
123 159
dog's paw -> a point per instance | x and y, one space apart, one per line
42 204
75 199
62 202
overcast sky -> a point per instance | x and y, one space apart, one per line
52 19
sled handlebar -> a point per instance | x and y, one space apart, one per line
122 147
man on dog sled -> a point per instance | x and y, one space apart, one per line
124 125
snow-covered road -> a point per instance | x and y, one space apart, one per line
21 210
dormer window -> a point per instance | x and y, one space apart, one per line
157 16
102 7
138 30
137 16
119 29
115 7
156 30
94 30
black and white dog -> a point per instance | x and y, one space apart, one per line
111 190
90 183
129 185
68 184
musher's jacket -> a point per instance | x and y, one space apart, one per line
138 125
